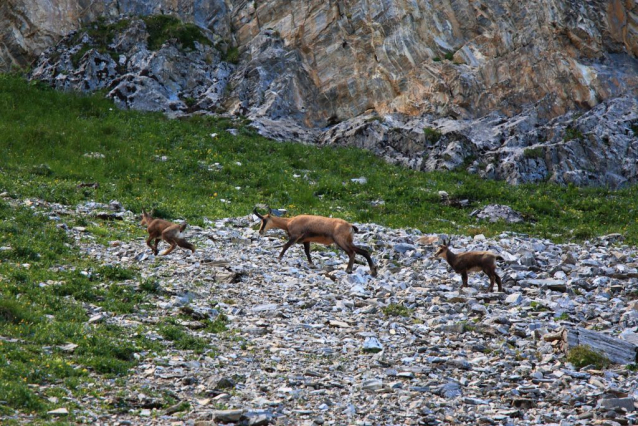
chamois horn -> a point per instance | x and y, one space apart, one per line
256 213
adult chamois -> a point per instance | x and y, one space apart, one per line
165 230
306 229
471 261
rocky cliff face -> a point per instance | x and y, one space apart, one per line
473 70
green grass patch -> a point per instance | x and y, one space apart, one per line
449 56
218 325
176 167
581 356
182 339
396 310
44 282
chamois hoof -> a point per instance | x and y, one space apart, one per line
373 273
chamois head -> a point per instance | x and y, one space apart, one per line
266 221
443 248
146 218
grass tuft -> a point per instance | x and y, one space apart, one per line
582 356
396 310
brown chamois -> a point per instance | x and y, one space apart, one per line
165 230
471 261
306 229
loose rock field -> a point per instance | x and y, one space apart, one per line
311 346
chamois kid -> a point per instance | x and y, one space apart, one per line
164 230
471 261
306 229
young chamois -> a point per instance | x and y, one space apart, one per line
471 261
306 229
165 230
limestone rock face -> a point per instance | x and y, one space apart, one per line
460 58
28 27
598 147
172 78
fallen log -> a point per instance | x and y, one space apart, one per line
616 350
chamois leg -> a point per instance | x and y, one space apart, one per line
464 278
185 244
347 247
498 281
491 274
155 250
364 253
306 248
290 242
148 243
351 254
171 248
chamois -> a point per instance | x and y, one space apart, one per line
471 261
165 230
306 229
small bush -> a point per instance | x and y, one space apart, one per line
432 136
532 153
582 356
231 55
77 56
396 310
436 59
162 28
449 56
572 133
150 286
42 170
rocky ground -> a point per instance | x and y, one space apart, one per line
317 346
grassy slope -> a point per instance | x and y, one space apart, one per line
43 138
44 134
